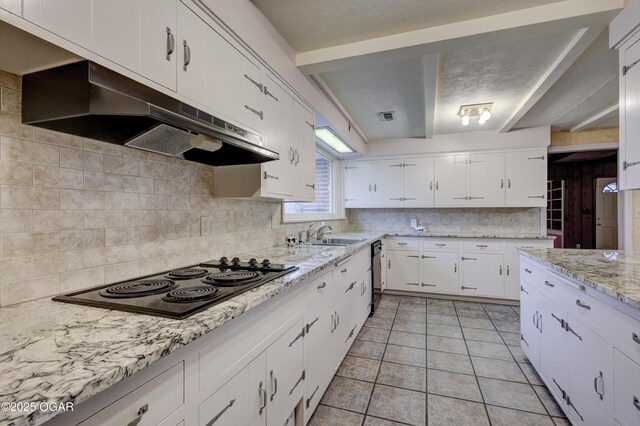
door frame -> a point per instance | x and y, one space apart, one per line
595 206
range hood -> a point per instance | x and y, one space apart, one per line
89 100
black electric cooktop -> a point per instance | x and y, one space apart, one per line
182 292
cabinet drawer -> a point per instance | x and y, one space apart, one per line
154 401
530 272
440 244
587 308
320 288
483 245
536 245
403 244
626 389
626 332
553 286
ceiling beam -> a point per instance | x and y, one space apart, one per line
594 118
562 15
580 42
430 85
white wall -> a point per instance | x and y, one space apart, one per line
533 137
253 28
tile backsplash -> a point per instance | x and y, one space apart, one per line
76 213
525 221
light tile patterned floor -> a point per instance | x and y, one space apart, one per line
422 361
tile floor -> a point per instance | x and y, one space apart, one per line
421 361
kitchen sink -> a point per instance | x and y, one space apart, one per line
336 242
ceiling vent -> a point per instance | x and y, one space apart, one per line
387 116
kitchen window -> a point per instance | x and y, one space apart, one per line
328 204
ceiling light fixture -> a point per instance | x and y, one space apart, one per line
329 137
480 111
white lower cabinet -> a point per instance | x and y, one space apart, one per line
511 276
229 405
530 323
403 270
482 274
439 271
626 391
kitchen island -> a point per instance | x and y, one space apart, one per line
580 328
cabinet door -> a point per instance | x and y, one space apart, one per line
403 270
630 120
388 183
158 41
304 177
191 55
229 405
590 384
418 182
529 323
234 83
627 395
257 391
13 6
439 272
486 179
527 178
70 19
512 276
285 365
278 137
553 346
319 354
482 274
451 180
121 43
358 184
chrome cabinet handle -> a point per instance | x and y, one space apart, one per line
262 392
428 257
441 245
369 187
297 155
500 268
460 198
298 336
430 186
351 333
333 323
635 338
337 320
187 55
413 284
482 245
548 284
402 244
255 83
523 339
312 186
522 289
141 411
455 267
171 44
308 326
300 380
343 270
255 111
528 271
436 185
416 257
268 176
535 196
274 385
636 403
292 155
501 183
468 288
535 319
582 305
507 270
428 285
313 126
323 285
308 403
595 385
468 258
217 417
271 95
350 287
508 183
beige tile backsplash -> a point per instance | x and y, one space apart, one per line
76 213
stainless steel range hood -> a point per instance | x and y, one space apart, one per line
89 100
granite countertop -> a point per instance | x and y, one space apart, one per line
615 273
58 352
452 234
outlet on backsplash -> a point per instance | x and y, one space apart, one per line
205 226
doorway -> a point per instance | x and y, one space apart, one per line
606 200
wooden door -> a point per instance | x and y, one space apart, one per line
606 213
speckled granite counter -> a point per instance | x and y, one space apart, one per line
470 235
615 273
59 352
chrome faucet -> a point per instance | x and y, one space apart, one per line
319 232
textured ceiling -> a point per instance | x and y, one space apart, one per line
395 86
501 73
313 24
588 87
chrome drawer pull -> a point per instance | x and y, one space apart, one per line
428 285
469 288
523 339
138 418
255 111
636 403
528 271
258 85
413 284
268 176
308 326
274 385
582 305
343 270
323 285
263 395
217 417
312 395
271 95
187 55
595 386
441 245
428 257
548 284
635 338
468 258
402 244
482 245
171 44
415 257
351 333
350 286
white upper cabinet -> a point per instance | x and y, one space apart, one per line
629 152
303 175
13 6
278 137
121 46
191 55
358 184
388 184
70 19
234 84
527 178
418 182
158 41
486 179
451 180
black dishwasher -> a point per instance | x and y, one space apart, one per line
376 274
